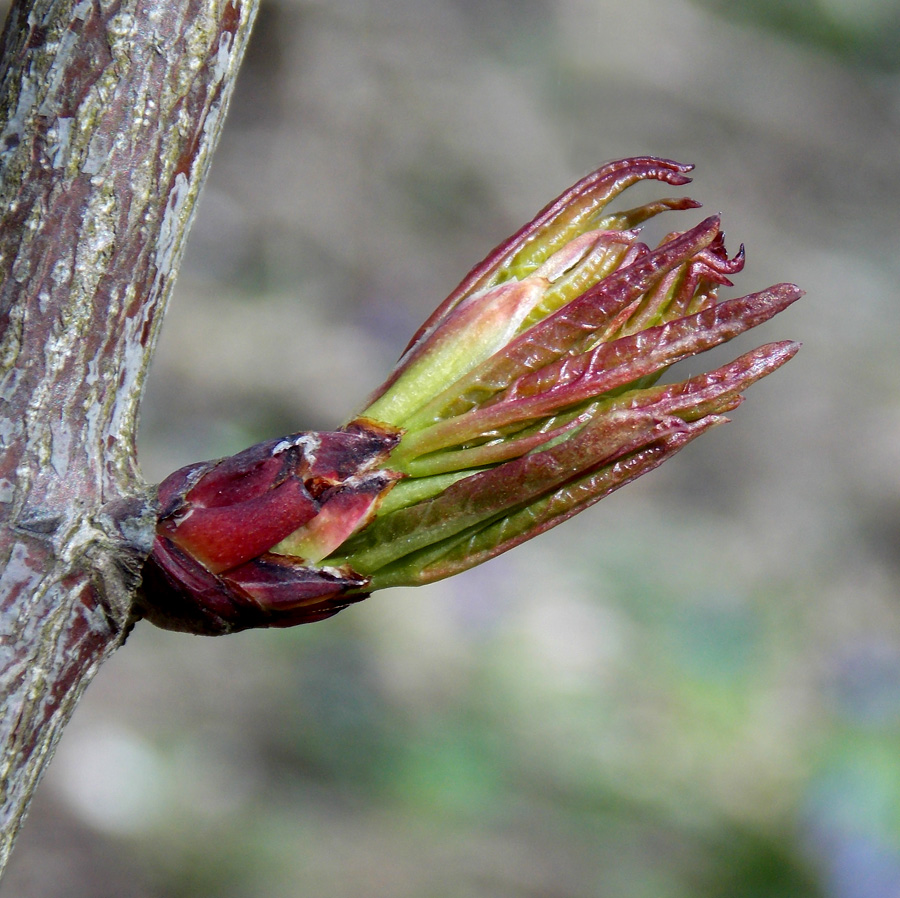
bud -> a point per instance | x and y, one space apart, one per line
530 394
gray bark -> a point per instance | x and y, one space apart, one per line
109 113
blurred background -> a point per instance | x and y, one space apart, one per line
691 690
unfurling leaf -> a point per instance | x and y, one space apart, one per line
531 393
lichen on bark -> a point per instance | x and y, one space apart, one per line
109 114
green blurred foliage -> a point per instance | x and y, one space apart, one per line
860 32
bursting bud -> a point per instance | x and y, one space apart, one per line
531 393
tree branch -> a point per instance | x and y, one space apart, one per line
109 114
